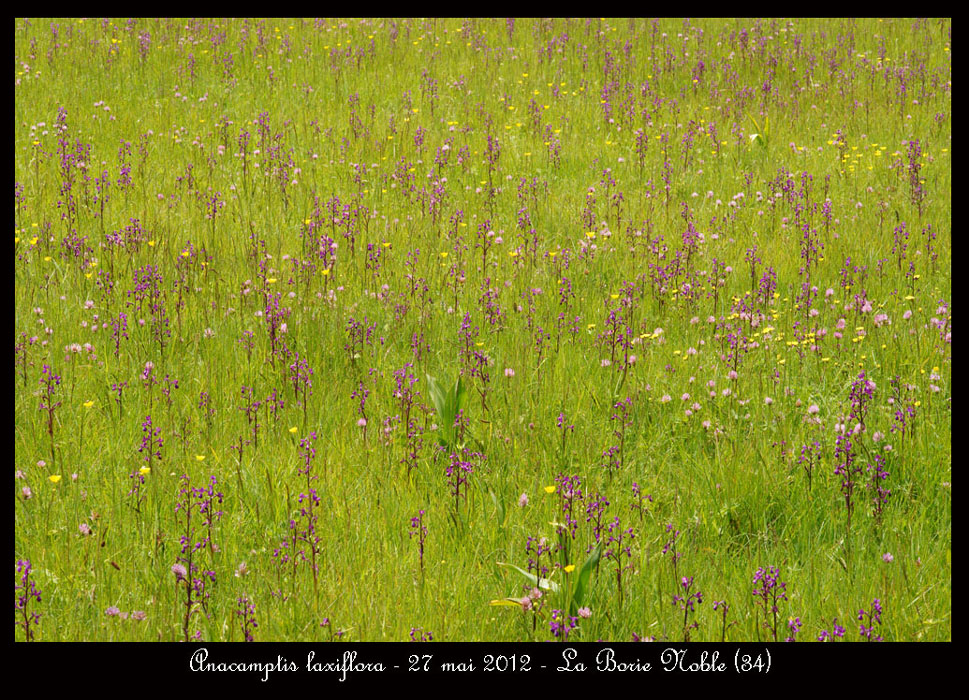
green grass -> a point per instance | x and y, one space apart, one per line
333 109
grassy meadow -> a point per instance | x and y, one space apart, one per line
482 330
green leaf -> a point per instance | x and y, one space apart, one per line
446 405
461 395
509 602
536 581
455 400
499 506
581 592
437 396
440 400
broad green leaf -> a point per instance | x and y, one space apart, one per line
581 592
453 401
509 602
499 506
439 399
447 404
437 396
536 581
461 394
